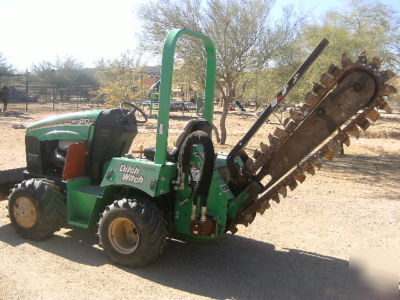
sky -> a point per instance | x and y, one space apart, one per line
37 30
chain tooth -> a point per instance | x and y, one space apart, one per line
280 133
387 90
326 153
386 75
233 229
387 108
257 164
308 168
305 108
295 115
265 149
327 80
291 126
373 115
275 197
382 104
343 138
273 140
248 218
299 176
249 163
353 131
319 89
257 153
346 61
362 122
362 58
376 62
312 99
346 141
315 161
263 206
290 182
281 189
335 71
335 146
261 210
265 203
286 121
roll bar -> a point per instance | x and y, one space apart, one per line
166 84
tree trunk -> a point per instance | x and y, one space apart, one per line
222 121
215 129
227 99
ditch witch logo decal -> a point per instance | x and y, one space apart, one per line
131 174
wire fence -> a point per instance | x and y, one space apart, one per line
76 97
54 96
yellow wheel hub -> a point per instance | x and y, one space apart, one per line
25 213
123 235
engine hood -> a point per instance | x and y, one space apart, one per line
78 123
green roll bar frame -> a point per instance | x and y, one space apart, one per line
166 85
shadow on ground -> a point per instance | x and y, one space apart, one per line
374 169
183 117
390 117
15 114
5 190
231 267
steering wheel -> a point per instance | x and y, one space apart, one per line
132 111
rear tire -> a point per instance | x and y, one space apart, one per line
132 232
37 208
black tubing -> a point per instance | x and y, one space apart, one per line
202 138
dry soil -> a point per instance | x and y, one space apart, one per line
299 249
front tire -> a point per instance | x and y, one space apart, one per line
132 232
37 209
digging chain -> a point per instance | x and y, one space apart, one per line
330 81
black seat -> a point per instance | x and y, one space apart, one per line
191 126
113 136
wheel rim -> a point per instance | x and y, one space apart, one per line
123 235
25 213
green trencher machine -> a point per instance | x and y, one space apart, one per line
79 173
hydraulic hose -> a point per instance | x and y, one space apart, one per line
199 137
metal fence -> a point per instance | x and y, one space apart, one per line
77 95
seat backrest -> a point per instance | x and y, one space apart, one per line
191 126
113 137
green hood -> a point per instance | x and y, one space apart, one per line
67 126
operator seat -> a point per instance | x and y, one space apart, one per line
190 126
113 136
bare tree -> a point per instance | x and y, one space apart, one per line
5 67
62 72
245 35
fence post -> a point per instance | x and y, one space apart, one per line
26 90
98 98
77 98
141 88
54 92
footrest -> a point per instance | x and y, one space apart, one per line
84 201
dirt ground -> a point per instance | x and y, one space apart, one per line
299 249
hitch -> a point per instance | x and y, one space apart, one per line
206 226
